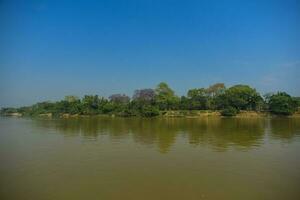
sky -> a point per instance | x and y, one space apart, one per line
50 49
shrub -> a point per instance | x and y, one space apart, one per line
127 113
149 111
229 112
282 104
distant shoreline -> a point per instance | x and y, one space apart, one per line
216 100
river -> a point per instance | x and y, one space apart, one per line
139 159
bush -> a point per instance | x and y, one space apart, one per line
8 110
108 108
229 112
149 111
127 113
282 104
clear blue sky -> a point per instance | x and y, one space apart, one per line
49 49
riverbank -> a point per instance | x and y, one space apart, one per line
168 114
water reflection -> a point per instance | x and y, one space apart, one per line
218 133
284 129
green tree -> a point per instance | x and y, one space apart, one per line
198 99
282 104
241 97
212 93
90 104
184 103
165 97
297 100
149 111
216 89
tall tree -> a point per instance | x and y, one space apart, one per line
198 99
216 89
165 97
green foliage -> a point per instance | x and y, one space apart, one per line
198 99
127 113
8 110
229 111
297 100
66 106
149 111
216 89
109 107
42 108
241 97
149 102
282 104
90 104
184 103
165 97
25 110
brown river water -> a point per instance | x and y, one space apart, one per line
139 159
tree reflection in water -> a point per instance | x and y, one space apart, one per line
218 133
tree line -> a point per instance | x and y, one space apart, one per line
152 102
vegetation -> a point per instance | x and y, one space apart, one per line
229 111
282 104
152 102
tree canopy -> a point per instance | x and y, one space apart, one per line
282 104
165 97
151 102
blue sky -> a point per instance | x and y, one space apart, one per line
50 49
